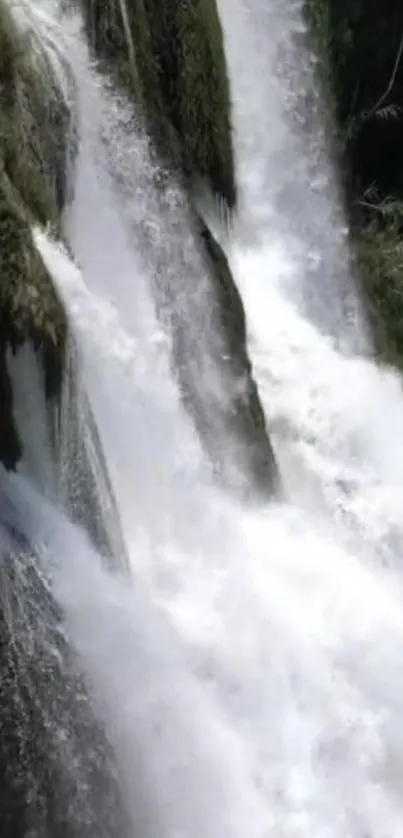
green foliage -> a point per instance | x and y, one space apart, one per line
361 44
379 244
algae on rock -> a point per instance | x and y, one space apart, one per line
38 140
42 692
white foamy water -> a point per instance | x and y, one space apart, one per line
251 678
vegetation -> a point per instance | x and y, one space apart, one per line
170 57
360 46
34 149
41 690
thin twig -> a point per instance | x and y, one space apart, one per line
391 81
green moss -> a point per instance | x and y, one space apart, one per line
226 410
34 132
170 56
30 307
202 109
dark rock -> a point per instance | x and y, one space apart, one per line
361 45
57 772
228 415
84 487
170 58
37 145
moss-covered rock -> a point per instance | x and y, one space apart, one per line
243 415
37 136
57 771
34 147
171 58
84 488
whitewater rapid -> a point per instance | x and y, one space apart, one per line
288 643
251 675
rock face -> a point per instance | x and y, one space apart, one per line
361 45
36 129
33 151
228 415
84 487
38 141
57 773
170 58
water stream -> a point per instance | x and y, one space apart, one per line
250 673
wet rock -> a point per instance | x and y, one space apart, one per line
360 50
84 488
170 58
38 128
38 140
217 384
57 772
33 140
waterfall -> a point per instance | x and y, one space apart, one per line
244 679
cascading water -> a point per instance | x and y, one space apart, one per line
249 677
